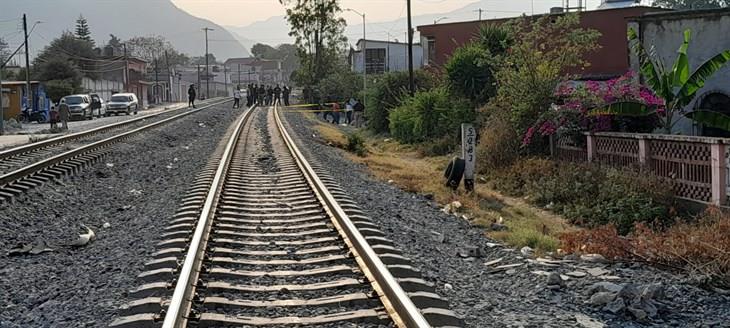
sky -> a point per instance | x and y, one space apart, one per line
245 12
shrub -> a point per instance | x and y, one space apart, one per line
388 92
440 146
699 246
589 195
356 144
428 115
498 144
469 73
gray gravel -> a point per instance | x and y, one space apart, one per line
509 298
135 189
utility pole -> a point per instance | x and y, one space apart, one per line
2 109
28 91
207 72
168 89
126 69
239 74
225 78
157 83
411 83
198 93
480 10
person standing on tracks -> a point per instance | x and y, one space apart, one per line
277 94
237 98
191 96
285 92
261 94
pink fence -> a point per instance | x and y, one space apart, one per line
696 166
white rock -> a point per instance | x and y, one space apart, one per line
527 251
109 164
509 266
390 181
588 322
541 273
107 225
594 258
84 238
448 287
493 262
564 277
597 272
577 274
492 245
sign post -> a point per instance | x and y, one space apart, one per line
468 153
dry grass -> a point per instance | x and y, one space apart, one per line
406 167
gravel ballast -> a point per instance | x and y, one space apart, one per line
126 199
525 295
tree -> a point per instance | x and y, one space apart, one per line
83 32
690 4
200 60
4 51
266 51
115 44
470 74
69 48
676 86
318 34
150 47
61 75
544 51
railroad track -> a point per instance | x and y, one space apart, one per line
25 167
263 238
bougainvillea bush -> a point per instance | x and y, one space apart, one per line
571 116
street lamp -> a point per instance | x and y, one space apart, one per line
364 50
436 21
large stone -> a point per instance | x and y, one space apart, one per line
639 314
593 258
553 279
604 286
652 292
602 298
616 306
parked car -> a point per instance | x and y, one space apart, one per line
79 106
98 105
123 103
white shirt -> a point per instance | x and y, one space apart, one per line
236 93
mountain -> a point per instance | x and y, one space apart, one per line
275 30
125 19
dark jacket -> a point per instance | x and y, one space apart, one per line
191 93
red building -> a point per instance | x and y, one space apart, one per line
611 60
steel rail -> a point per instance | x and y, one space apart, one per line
184 292
73 136
60 158
396 300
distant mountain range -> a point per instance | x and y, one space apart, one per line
125 19
275 30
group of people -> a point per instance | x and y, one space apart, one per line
353 110
266 95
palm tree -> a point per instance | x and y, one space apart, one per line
676 86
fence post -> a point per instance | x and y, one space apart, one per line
591 147
644 149
719 167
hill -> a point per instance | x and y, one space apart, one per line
124 19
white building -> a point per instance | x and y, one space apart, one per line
611 4
384 56
664 33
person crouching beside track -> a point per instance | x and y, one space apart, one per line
191 96
237 98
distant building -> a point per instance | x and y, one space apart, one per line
440 40
14 99
384 56
664 33
254 70
612 4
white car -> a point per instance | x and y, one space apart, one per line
98 105
122 103
79 106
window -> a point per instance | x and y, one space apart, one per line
375 61
431 51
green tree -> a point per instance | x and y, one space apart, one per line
200 60
470 74
318 33
116 44
83 32
676 85
4 51
266 51
150 47
341 85
690 4
69 48
390 90
62 77
543 53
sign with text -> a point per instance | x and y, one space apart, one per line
468 153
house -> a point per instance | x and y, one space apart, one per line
13 98
115 69
384 56
255 70
664 32
612 59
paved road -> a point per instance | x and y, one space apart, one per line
34 132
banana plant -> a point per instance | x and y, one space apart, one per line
676 86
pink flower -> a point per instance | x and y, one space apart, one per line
593 86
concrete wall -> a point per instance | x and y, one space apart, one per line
396 56
105 88
710 30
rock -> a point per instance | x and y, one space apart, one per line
588 322
390 181
616 306
498 227
493 262
553 279
571 257
471 252
84 238
593 258
629 292
597 271
452 207
610 277
602 298
541 273
106 225
576 274
511 271
639 314
652 292
527 251
604 286
448 287
492 245
110 165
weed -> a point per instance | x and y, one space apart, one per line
356 144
